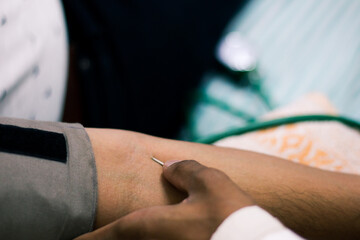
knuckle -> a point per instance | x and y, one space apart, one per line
204 175
210 179
210 174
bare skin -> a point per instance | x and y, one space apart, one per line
212 197
314 203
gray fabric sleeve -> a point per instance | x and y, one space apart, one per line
45 199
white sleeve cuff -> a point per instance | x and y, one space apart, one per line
253 223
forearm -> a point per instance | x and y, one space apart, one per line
310 201
313 202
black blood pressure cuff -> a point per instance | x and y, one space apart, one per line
48 184
33 142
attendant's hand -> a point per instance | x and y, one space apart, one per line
212 197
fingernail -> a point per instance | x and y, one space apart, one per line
171 162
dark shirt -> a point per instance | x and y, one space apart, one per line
139 61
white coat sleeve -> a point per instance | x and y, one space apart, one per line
253 223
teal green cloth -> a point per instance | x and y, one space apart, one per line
302 46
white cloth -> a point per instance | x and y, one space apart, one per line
33 59
253 223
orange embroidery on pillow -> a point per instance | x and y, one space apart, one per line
302 154
291 141
321 158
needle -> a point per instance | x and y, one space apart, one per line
157 161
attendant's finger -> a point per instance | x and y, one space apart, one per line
150 223
192 177
107 232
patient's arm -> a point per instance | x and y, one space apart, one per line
312 202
